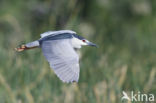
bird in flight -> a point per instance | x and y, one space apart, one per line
59 49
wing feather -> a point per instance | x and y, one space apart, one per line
62 59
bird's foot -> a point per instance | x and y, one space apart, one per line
20 48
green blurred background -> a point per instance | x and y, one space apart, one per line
125 31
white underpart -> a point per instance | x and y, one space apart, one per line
32 44
56 32
77 43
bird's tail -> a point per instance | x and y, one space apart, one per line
27 46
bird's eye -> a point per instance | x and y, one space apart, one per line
84 40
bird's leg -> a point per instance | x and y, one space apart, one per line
23 47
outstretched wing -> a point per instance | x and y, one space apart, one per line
62 59
53 33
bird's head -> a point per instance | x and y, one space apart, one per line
86 42
78 42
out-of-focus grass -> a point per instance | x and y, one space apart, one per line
125 59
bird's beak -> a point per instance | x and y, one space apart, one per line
92 44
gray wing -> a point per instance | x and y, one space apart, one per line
53 33
62 59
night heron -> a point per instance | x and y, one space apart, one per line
59 49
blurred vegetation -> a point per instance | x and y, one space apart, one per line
125 31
